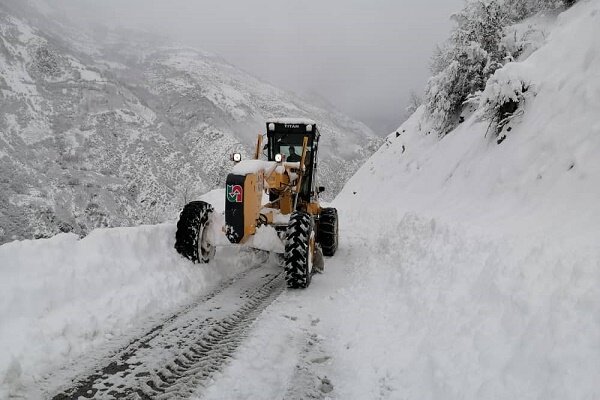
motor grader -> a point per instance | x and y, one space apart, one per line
279 194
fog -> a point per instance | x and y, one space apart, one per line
362 56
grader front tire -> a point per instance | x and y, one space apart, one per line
298 252
192 238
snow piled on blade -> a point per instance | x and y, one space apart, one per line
245 167
61 298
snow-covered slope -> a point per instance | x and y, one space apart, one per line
543 178
483 268
104 129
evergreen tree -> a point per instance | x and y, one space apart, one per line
473 53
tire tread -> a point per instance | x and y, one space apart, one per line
193 216
328 231
296 250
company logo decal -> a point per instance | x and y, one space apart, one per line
235 193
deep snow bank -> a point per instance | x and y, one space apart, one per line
63 297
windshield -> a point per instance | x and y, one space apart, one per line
290 152
290 145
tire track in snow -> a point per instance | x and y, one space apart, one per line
309 380
176 357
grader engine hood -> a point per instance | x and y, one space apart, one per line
244 190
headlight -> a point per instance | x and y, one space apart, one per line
278 158
236 157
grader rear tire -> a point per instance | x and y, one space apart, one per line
328 231
193 228
298 250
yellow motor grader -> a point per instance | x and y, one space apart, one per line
279 193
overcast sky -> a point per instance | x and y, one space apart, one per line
363 56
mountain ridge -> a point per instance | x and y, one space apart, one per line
122 132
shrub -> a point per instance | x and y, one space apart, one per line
503 98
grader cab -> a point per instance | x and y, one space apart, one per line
280 194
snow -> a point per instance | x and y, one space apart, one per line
245 167
85 73
91 76
290 165
18 80
216 198
60 298
430 312
542 180
26 34
527 36
278 217
466 269
456 315
266 238
505 85
264 366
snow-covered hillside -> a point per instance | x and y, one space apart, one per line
105 129
542 180
485 256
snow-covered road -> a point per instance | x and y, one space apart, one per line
184 351
68 303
